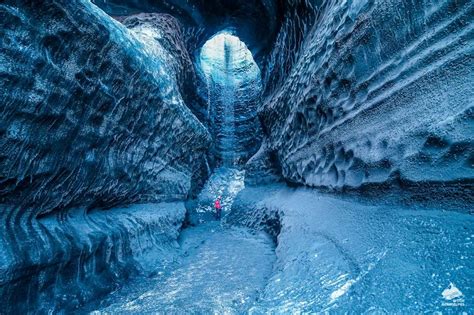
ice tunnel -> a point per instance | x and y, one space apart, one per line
234 86
236 157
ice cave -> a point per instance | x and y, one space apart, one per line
236 157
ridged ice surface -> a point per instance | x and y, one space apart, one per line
62 261
233 96
375 90
360 256
91 115
97 112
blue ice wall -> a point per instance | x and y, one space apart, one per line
92 116
370 95
372 92
94 106
60 262
233 87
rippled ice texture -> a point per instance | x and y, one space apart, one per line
360 256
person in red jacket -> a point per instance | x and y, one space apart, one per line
218 207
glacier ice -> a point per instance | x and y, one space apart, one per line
233 87
345 129
360 255
69 259
92 117
373 94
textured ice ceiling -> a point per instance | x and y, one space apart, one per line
255 22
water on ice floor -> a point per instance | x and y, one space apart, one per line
218 268
221 270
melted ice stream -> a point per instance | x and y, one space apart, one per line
221 270
218 268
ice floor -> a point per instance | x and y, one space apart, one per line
219 269
334 254
358 256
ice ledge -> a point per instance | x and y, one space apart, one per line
61 261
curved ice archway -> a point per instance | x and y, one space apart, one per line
233 84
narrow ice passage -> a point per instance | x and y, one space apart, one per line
233 90
219 268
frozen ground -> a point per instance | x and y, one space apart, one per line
334 254
360 256
219 268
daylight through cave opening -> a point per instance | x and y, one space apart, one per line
233 86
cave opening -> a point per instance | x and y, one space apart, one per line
233 87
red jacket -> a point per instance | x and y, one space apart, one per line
217 204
